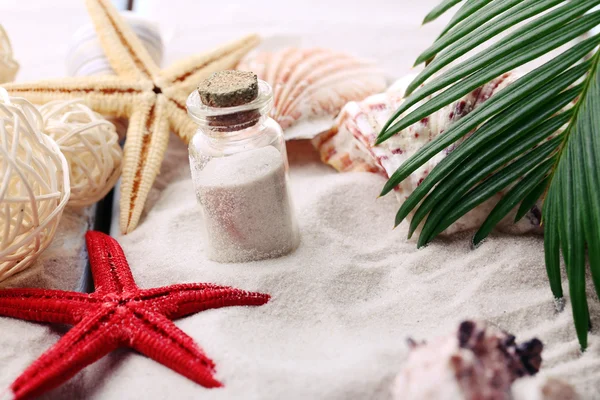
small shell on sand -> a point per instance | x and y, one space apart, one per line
478 361
310 86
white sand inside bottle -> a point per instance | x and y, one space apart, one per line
246 207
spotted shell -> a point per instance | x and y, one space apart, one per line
477 361
350 146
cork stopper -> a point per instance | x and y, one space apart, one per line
229 89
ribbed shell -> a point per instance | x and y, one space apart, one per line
310 86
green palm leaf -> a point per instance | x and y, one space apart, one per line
536 140
441 9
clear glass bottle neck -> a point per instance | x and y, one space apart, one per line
233 131
232 123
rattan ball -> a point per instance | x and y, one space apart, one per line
34 185
8 66
91 146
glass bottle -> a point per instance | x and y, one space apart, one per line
239 167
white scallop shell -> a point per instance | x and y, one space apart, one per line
310 86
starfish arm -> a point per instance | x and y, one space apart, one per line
179 121
105 94
41 305
177 301
124 50
159 339
84 344
110 269
187 73
147 139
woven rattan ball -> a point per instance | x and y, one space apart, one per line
34 185
8 66
91 146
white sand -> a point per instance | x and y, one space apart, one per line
346 300
343 302
245 206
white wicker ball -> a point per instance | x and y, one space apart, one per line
8 66
34 185
91 146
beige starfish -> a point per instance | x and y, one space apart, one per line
152 99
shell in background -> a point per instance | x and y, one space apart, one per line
350 146
310 86
86 56
8 66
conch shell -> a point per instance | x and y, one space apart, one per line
350 145
310 86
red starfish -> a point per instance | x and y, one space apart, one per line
117 314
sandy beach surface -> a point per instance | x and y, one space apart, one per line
342 305
345 301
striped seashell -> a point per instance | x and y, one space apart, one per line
310 86
350 146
